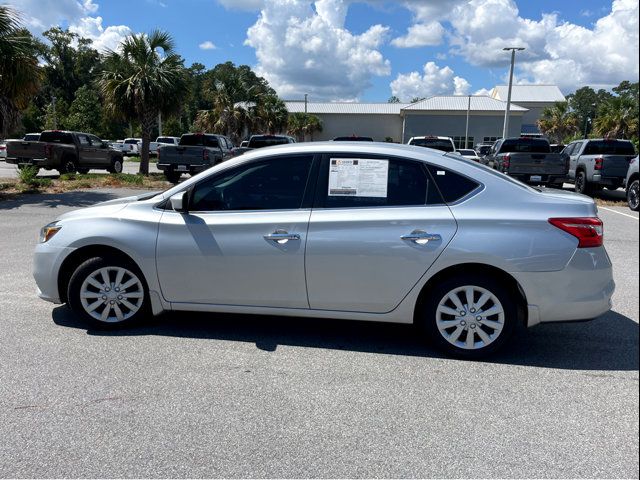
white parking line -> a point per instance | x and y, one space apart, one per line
619 213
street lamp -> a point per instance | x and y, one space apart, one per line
505 128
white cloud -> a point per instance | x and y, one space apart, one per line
39 15
433 81
103 38
305 50
421 35
483 91
208 45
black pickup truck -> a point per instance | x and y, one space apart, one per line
67 152
194 153
529 160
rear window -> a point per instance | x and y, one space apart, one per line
525 146
196 140
485 149
31 137
131 141
57 137
467 152
609 147
164 140
452 186
267 141
438 144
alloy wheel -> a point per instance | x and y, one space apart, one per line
470 317
111 294
634 195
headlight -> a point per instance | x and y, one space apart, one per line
47 232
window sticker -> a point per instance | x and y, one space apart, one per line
358 177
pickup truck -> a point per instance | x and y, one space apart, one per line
598 162
167 141
260 141
67 152
529 160
195 152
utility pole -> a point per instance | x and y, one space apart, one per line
306 98
55 120
466 130
505 128
159 124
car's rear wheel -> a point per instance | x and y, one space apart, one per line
633 195
582 184
108 293
470 316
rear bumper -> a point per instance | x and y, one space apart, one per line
544 178
581 291
607 180
174 167
38 162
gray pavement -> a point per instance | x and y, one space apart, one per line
8 170
223 395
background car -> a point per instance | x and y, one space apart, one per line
367 231
469 153
353 138
632 185
3 150
444 144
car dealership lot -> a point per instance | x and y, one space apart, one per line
8 170
222 395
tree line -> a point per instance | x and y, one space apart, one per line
590 113
63 82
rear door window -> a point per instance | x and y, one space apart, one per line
406 183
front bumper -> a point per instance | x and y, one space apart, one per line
581 291
47 261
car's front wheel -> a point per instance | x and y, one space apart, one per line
470 316
633 195
108 293
116 165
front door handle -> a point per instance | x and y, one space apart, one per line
281 237
421 237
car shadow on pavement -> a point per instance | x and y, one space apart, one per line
53 200
608 343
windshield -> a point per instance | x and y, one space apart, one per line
438 144
259 142
57 137
468 152
609 147
525 145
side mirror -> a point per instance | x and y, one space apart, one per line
180 202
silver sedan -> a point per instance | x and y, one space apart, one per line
360 231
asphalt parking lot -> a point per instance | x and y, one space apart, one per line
8 170
230 395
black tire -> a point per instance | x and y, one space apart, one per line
427 318
116 165
68 165
172 176
83 170
130 317
582 185
633 195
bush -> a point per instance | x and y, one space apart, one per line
128 178
27 174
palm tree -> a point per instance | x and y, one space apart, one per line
558 122
617 118
313 124
296 125
19 71
142 78
272 114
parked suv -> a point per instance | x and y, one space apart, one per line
438 143
66 152
598 163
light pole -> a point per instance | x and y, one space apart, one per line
505 128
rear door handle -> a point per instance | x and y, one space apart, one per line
281 237
421 237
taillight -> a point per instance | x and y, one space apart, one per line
205 155
598 164
588 230
506 161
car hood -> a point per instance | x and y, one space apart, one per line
106 208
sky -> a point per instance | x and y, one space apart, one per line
369 50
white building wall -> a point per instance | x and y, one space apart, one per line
366 125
